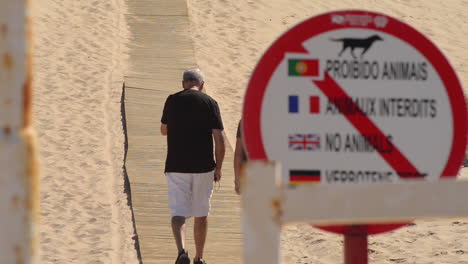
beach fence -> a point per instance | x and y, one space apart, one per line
19 196
267 205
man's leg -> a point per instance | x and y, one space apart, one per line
178 229
180 203
202 191
200 229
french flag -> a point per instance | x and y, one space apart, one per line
314 104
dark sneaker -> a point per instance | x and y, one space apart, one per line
183 258
200 261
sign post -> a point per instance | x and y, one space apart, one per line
355 97
355 246
19 197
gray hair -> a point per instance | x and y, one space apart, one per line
194 74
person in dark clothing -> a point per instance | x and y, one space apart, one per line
191 119
240 157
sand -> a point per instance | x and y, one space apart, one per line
77 87
230 37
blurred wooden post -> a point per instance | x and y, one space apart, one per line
19 197
261 231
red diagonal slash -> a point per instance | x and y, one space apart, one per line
365 126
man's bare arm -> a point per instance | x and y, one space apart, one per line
164 129
220 150
238 152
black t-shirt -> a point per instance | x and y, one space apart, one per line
190 116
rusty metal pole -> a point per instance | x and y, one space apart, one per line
19 197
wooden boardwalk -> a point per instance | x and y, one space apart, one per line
160 48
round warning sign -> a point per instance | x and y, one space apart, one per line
354 97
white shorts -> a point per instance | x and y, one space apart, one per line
190 193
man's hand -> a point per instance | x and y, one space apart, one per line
163 129
217 175
220 149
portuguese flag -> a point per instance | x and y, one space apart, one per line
304 176
303 67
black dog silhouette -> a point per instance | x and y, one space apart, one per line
353 43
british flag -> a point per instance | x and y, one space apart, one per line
304 142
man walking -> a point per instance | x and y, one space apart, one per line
191 119
240 158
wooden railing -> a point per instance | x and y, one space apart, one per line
268 205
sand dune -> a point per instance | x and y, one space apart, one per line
77 62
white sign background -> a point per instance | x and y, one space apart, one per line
422 140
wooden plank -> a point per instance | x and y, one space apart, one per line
173 27
176 42
146 98
168 86
168 75
159 50
143 8
154 70
158 63
176 63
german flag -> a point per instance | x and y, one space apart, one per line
304 176
299 67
